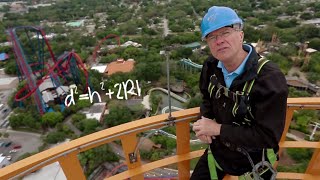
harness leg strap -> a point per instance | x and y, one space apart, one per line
212 164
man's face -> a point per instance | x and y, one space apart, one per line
225 43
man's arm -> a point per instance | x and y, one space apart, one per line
206 105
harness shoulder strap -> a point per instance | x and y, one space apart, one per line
248 86
241 107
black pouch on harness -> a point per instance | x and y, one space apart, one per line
243 107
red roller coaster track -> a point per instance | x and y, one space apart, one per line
94 56
35 67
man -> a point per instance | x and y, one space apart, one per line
244 102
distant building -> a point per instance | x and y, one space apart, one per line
48 36
131 43
5 44
315 22
100 68
120 66
4 56
18 7
62 90
193 46
52 94
96 111
39 5
302 85
310 50
75 23
48 98
46 85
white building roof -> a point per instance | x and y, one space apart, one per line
310 50
46 85
131 43
47 96
96 111
100 68
62 90
311 21
6 44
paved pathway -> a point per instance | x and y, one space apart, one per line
292 136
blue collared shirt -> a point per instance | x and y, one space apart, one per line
229 77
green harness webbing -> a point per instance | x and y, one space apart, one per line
240 98
248 86
212 163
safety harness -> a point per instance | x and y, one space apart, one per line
242 111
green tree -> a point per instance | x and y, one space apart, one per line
194 102
306 16
11 67
183 53
24 119
299 154
284 63
132 52
55 137
296 93
109 58
87 126
307 31
119 114
78 117
286 23
92 158
315 43
148 71
52 118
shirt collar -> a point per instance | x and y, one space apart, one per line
240 69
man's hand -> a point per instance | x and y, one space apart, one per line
205 139
207 127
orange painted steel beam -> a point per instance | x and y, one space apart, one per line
291 175
303 101
156 164
102 137
289 115
287 175
71 167
88 142
129 143
183 147
314 164
300 144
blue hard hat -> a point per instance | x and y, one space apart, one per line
218 17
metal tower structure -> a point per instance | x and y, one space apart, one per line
36 63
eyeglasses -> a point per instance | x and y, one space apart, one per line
223 34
